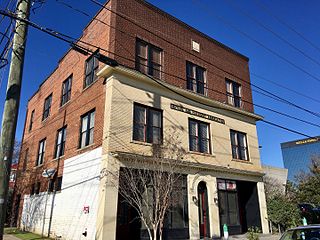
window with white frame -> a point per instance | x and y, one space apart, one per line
148 58
239 145
92 64
87 128
60 142
66 91
41 152
196 79
31 120
47 107
233 93
199 136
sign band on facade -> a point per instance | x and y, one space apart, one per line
196 113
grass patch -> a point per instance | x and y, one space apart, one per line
23 235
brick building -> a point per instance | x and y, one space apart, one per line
87 114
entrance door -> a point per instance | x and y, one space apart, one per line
203 210
228 206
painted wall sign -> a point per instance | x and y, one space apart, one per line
196 113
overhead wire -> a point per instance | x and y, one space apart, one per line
59 37
269 12
268 29
232 26
277 98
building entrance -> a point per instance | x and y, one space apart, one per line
203 210
238 205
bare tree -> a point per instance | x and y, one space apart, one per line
151 184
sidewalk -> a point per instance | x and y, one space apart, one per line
10 237
261 237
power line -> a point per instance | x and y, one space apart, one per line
284 87
265 9
59 37
277 98
227 23
259 23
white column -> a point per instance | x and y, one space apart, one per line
193 208
214 221
108 201
263 207
213 207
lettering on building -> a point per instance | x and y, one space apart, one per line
307 141
196 113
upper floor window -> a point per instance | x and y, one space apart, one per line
147 124
199 136
233 93
239 145
87 127
148 59
31 120
47 107
41 151
60 142
92 65
66 91
196 79
25 160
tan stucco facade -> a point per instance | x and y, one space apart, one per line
124 87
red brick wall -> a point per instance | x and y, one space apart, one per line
161 30
82 101
167 33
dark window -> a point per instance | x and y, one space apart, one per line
32 189
66 90
60 142
199 136
147 124
37 188
196 80
239 145
55 184
92 65
25 160
148 59
87 127
177 215
47 107
41 151
233 93
58 184
51 185
31 120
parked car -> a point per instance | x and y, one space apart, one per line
309 232
311 213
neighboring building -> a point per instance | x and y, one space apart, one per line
275 176
87 115
297 155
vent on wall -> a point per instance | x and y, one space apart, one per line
195 46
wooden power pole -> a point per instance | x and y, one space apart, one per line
11 107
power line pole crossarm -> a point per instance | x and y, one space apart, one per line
11 107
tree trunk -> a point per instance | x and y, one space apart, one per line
154 233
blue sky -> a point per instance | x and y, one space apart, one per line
43 53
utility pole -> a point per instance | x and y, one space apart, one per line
11 107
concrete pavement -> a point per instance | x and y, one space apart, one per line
10 237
